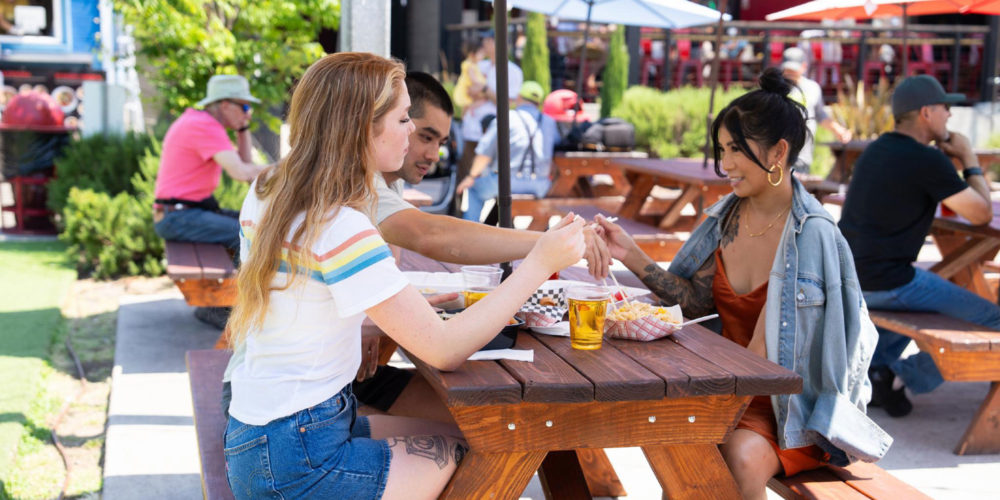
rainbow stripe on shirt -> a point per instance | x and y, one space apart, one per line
349 258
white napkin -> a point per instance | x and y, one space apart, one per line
512 354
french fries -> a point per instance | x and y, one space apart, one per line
635 310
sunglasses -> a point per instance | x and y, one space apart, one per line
244 106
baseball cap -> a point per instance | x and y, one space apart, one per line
918 91
227 87
793 58
532 91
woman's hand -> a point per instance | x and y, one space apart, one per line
466 183
560 247
619 243
597 254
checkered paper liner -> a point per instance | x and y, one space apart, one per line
536 314
643 329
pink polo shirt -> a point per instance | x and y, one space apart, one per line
187 170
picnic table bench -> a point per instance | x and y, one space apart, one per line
859 481
203 272
963 352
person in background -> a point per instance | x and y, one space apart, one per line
772 263
532 143
895 189
292 429
809 94
195 151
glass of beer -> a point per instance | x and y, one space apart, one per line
479 281
587 308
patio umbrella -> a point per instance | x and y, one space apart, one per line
668 14
671 14
867 9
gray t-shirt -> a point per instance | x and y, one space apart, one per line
390 198
809 94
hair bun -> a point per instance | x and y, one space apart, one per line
772 80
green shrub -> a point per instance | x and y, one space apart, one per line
671 124
615 72
535 62
101 163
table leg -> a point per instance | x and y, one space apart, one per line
983 434
493 475
636 198
689 195
562 476
600 474
692 471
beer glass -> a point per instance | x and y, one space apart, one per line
587 308
479 281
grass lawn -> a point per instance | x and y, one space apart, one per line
34 280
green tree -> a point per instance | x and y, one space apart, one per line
615 72
535 63
185 42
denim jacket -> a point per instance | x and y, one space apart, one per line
817 325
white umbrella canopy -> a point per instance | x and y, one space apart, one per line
670 14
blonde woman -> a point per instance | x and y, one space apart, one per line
313 267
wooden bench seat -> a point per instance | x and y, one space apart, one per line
204 273
205 369
542 209
963 352
859 480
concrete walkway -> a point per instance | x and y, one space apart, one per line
151 451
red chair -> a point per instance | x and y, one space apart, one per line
30 213
925 63
685 62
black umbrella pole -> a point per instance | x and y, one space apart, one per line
713 81
503 118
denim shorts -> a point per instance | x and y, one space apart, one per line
321 452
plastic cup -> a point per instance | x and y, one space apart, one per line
479 281
588 306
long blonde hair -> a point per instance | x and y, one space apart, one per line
335 111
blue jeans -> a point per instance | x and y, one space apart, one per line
321 452
203 226
931 293
485 188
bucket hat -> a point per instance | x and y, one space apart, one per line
227 87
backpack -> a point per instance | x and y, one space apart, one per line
612 134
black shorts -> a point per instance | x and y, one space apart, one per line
380 391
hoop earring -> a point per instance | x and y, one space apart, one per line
781 174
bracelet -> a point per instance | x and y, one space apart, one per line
969 171
243 129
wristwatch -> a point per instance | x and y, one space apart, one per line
970 171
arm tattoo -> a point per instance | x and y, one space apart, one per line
694 295
434 448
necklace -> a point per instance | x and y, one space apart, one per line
769 226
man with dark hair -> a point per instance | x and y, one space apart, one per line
440 237
896 186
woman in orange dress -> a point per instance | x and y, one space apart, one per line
775 267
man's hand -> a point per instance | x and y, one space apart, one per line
843 135
466 183
370 343
959 146
597 254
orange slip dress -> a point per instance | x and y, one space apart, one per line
739 314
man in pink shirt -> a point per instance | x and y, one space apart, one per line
195 151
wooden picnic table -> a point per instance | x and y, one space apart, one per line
699 186
677 398
845 154
572 172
